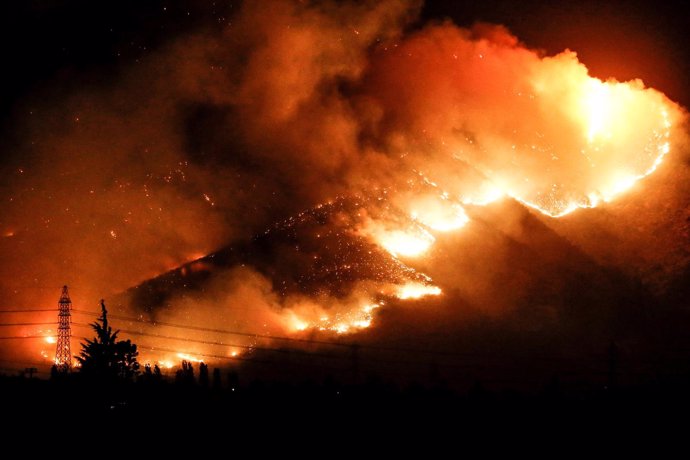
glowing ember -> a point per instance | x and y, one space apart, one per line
190 358
626 131
410 241
351 320
416 291
300 325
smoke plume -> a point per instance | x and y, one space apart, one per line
436 132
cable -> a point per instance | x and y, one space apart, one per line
26 324
234 358
217 331
54 310
273 337
25 337
229 345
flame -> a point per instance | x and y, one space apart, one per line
583 143
438 213
486 194
190 358
598 106
341 322
50 339
406 242
416 291
409 241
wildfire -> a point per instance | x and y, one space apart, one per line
438 213
409 241
597 106
486 194
341 322
190 358
416 291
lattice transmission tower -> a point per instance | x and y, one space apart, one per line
63 352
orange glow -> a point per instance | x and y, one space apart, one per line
410 241
431 126
625 137
438 213
416 291
407 243
190 358
343 321
486 194
618 156
598 105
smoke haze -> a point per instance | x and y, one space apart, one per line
222 134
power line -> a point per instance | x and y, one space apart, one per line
234 358
274 337
25 337
26 324
261 336
271 337
217 331
54 310
222 344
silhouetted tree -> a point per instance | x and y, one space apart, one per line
105 356
233 380
203 374
185 375
216 378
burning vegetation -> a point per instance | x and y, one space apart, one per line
328 162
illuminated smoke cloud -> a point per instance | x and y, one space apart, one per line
536 128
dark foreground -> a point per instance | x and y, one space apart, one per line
365 408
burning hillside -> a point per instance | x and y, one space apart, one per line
326 167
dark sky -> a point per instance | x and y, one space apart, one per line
623 39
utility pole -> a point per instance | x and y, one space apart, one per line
63 352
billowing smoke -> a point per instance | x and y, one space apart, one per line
431 132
